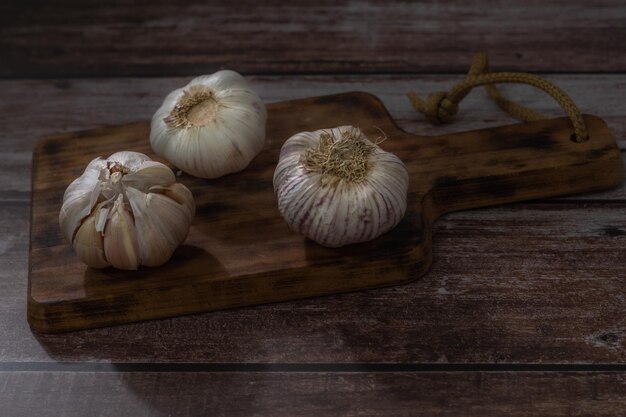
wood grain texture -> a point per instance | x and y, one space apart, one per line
480 394
522 283
118 38
237 214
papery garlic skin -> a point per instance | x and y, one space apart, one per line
213 126
126 211
334 210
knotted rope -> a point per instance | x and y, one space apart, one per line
440 107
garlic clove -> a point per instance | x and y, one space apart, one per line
149 174
161 222
120 238
79 198
88 244
178 193
87 180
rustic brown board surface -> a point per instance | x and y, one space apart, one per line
237 215
121 38
314 394
528 323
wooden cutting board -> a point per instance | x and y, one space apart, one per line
240 251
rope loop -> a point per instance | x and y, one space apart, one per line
437 108
440 107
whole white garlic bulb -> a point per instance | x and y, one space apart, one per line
126 211
213 126
337 188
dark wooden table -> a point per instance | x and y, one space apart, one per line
523 311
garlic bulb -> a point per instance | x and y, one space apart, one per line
126 211
338 188
213 126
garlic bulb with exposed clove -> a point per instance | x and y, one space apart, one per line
126 211
337 188
213 126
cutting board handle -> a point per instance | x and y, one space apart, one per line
518 162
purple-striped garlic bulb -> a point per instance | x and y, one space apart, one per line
337 187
